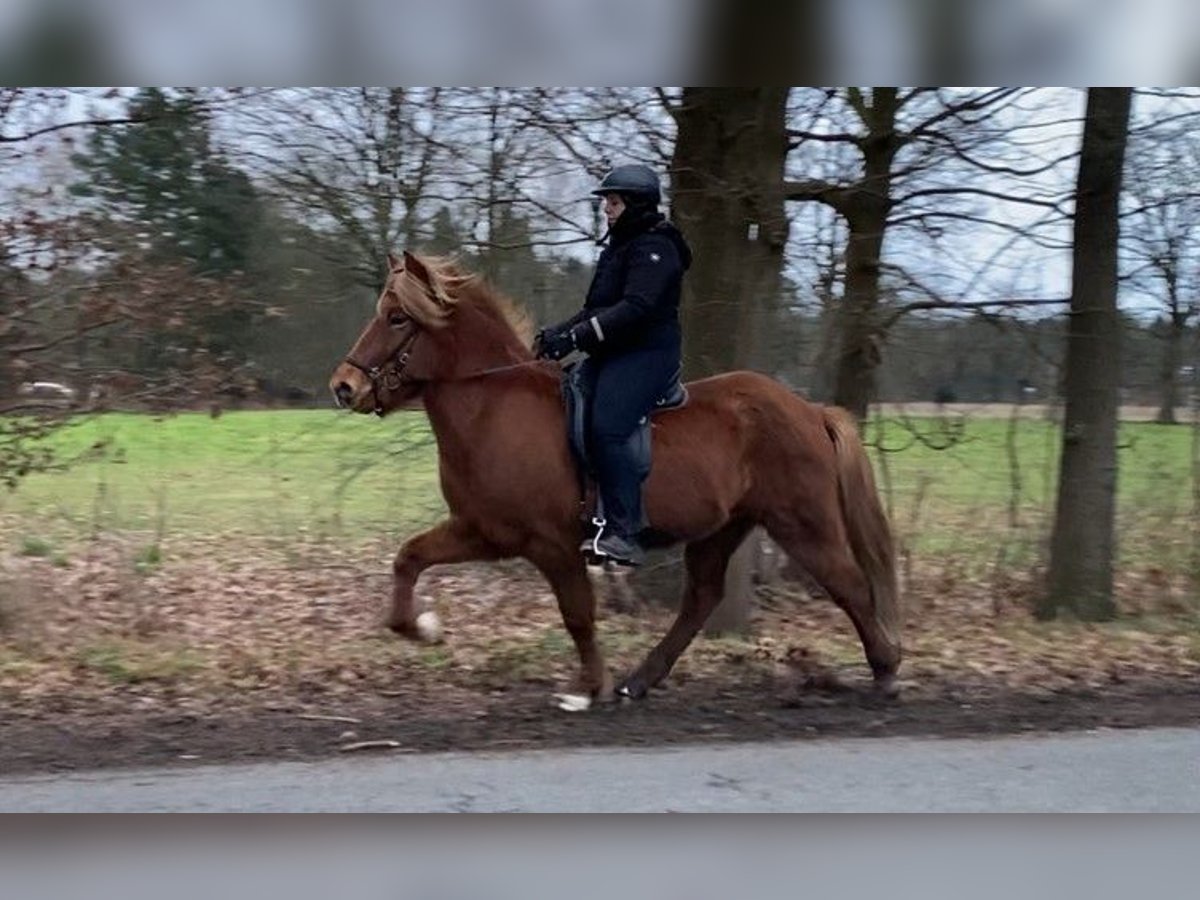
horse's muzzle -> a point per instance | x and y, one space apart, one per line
350 389
343 395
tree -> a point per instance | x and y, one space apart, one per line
164 175
313 311
34 320
1160 243
492 176
164 182
1081 548
907 161
355 163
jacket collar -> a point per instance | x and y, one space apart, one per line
632 223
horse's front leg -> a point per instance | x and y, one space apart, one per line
452 541
577 603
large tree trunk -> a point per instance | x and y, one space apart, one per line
821 368
727 197
1081 549
858 354
866 211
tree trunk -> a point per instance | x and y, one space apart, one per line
1081 548
821 377
727 197
866 210
858 354
1169 373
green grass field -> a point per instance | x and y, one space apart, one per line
994 490
261 472
285 473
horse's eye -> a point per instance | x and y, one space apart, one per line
397 319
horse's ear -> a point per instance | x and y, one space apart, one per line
412 263
393 263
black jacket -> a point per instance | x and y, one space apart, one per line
633 301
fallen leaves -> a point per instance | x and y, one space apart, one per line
236 623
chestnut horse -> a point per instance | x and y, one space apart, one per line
743 451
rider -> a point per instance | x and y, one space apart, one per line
629 327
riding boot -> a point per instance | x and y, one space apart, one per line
621 469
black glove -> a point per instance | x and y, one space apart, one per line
552 344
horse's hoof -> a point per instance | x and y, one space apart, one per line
633 689
887 687
573 702
425 629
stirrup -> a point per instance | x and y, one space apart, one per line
590 547
627 554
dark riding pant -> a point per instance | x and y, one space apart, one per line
624 390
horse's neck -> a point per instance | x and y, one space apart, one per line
482 343
473 358
464 419
456 403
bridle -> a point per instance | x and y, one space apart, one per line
392 375
389 373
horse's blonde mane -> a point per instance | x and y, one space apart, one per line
449 285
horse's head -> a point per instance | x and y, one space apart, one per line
394 357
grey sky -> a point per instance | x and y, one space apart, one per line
970 260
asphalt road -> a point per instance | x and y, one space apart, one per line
1120 771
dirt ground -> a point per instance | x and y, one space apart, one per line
111 660
523 718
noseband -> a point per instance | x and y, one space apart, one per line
390 373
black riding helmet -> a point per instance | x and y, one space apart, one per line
632 180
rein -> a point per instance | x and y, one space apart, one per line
495 369
392 375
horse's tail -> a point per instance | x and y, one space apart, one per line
870 534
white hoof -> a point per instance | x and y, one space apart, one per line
573 702
429 627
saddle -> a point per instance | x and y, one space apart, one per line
577 403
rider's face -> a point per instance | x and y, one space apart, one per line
613 207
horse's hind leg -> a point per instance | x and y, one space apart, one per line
706 561
832 566
451 541
577 603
